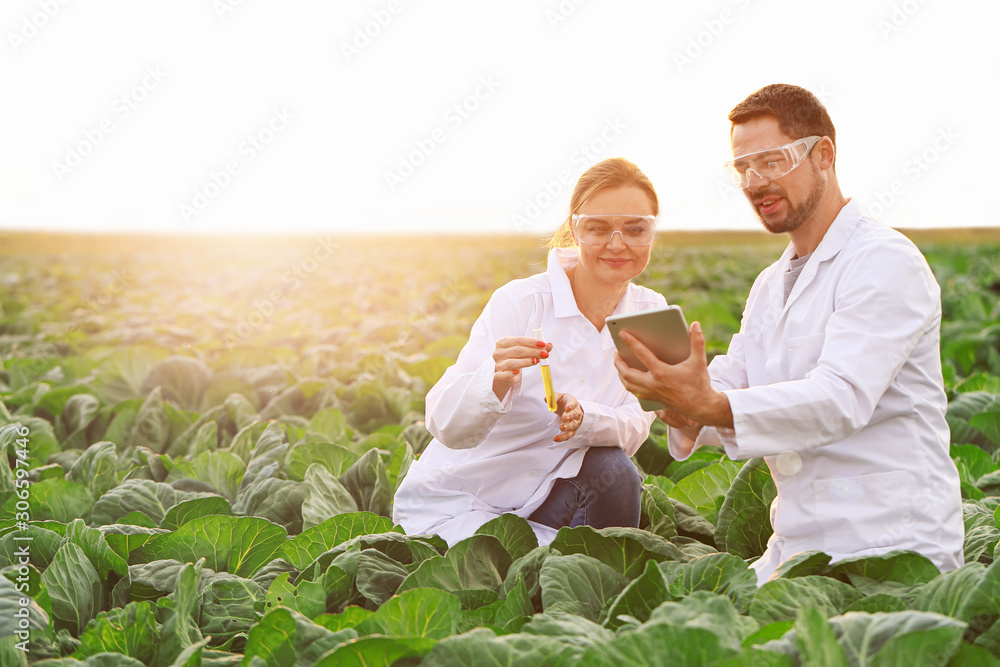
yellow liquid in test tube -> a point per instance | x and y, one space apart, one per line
550 393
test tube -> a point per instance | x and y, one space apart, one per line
550 393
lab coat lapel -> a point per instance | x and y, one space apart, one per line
559 260
776 288
770 330
833 242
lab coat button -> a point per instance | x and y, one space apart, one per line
532 473
582 381
789 463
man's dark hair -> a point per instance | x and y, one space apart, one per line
799 113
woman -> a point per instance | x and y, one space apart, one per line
497 447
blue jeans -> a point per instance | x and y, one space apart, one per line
605 493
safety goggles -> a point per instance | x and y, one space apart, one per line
771 163
600 228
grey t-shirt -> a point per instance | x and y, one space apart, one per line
792 274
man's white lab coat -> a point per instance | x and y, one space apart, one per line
840 390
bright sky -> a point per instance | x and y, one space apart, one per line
456 115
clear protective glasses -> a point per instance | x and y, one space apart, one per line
600 228
771 163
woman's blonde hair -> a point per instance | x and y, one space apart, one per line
611 173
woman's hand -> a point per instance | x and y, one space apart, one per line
511 354
570 416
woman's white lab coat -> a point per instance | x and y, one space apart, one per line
840 390
490 457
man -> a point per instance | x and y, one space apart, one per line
835 375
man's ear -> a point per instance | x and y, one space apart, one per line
827 153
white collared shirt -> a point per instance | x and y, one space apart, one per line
488 456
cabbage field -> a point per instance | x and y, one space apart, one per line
202 438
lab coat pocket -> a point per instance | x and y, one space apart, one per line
862 512
803 354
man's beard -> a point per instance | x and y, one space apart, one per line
796 214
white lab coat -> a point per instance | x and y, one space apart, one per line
840 390
489 457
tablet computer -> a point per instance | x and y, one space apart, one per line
663 330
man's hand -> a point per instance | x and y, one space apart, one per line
570 416
675 419
685 388
688 427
